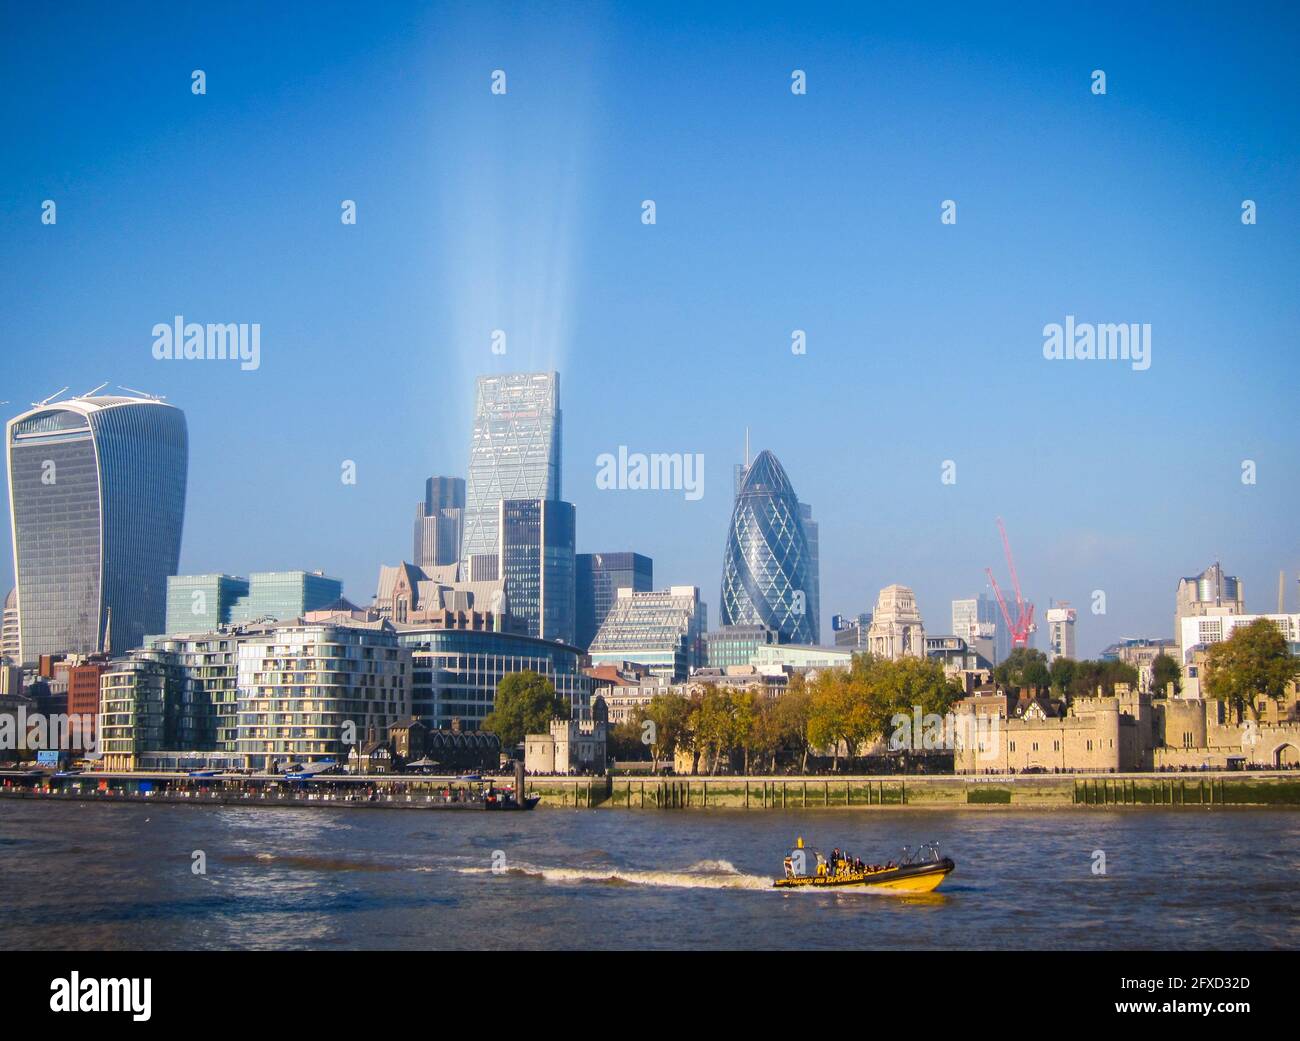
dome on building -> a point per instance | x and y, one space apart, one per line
766 570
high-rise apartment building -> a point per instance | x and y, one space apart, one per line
537 564
97 501
599 578
439 520
514 454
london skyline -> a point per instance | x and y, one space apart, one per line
774 213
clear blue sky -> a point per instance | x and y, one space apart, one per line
774 212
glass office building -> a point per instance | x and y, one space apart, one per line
282 595
537 563
514 454
97 501
662 630
202 603
766 569
599 578
455 672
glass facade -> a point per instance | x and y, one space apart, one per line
515 452
97 501
201 603
456 672
735 645
282 595
766 577
599 577
537 563
662 630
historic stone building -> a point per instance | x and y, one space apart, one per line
896 628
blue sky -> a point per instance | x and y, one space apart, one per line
775 212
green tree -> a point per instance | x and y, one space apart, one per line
830 721
1062 675
625 742
1164 670
900 687
1024 667
670 718
526 703
1253 661
792 711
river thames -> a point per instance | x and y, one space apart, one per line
93 876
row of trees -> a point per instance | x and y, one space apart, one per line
839 709
1028 669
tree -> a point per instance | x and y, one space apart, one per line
1164 670
1023 667
711 725
526 703
669 716
792 711
1062 675
625 741
1253 661
830 720
901 687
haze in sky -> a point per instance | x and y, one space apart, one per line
775 212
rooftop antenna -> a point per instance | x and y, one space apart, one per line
46 401
96 390
143 394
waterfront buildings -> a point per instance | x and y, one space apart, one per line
896 627
1060 631
573 746
978 621
201 603
83 698
455 672
1211 594
767 565
662 630
97 501
439 520
309 692
514 453
599 577
537 563
1198 632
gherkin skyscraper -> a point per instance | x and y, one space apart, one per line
767 568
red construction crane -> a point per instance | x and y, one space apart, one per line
1023 624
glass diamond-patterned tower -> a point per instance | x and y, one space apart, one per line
515 453
767 567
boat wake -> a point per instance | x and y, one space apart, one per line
706 874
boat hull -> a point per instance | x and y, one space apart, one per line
908 878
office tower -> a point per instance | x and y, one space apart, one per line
202 603
1211 594
662 630
284 595
1060 631
766 577
535 551
97 500
438 522
978 621
851 632
599 578
896 628
735 645
9 631
814 570
514 454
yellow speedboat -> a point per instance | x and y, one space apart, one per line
916 872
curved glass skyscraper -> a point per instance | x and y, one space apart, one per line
96 500
767 569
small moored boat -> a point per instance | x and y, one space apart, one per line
916 871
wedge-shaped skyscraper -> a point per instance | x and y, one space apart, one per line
767 568
96 500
